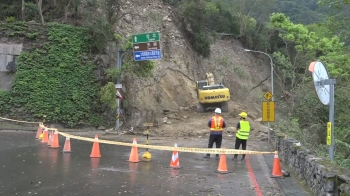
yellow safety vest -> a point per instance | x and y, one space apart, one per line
243 132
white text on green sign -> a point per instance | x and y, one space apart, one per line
145 37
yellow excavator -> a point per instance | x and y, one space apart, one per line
211 95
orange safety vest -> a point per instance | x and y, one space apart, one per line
216 123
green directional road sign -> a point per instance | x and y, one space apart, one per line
145 37
146 46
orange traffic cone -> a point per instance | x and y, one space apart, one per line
67 147
175 159
95 152
222 168
40 130
276 169
134 155
55 141
45 136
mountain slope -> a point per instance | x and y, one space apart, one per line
173 84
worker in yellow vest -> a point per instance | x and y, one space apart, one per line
242 135
216 124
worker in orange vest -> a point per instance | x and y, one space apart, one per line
216 124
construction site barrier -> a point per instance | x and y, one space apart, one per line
20 121
167 148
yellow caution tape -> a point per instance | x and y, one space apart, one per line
18 120
168 148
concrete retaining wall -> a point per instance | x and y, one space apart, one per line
323 177
8 53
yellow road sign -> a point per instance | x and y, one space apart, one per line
329 133
268 96
268 110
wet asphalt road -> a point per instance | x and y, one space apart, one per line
29 167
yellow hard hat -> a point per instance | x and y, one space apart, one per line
243 114
41 136
147 155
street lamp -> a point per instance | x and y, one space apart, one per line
271 64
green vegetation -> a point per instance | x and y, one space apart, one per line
5 102
301 46
56 79
108 93
295 33
214 17
299 11
19 29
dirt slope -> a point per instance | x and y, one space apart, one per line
173 85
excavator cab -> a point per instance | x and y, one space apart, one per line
200 85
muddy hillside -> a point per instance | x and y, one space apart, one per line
173 86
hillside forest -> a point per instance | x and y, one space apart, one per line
293 32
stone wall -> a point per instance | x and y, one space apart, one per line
322 176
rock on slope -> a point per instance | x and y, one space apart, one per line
173 84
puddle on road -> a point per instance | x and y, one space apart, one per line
199 166
117 170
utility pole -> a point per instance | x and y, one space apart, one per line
118 85
331 83
271 76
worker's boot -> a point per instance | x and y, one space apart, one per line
217 157
243 158
234 158
207 156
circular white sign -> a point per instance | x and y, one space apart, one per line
320 73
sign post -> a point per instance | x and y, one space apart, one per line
118 85
146 46
119 96
324 87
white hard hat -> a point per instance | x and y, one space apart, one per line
218 110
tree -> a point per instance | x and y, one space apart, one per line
300 41
22 10
113 10
40 3
300 47
338 19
